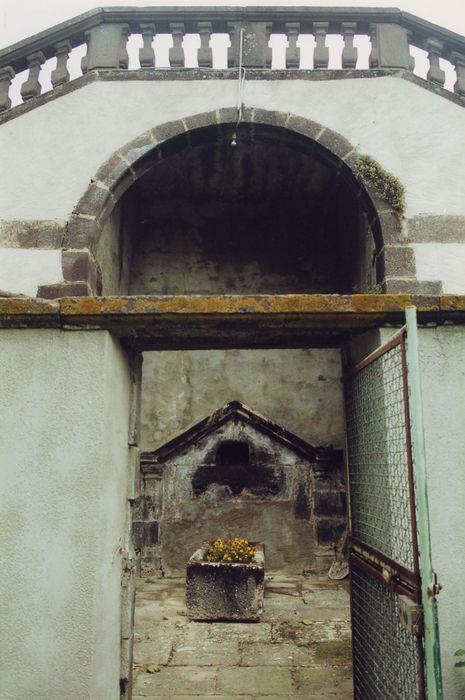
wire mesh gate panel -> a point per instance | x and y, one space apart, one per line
388 658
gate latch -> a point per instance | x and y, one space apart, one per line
410 615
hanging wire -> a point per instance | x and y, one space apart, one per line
240 88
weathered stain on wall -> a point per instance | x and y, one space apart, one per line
298 389
269 215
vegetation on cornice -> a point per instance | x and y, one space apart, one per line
386 185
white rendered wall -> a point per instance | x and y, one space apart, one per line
64 428
444 261
442 352
298 389
55 150
22 270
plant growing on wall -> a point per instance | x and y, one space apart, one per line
231 551
386 185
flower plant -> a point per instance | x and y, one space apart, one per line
235 550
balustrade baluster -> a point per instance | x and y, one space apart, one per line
232 46
268 48
61 74
85 58
6 76
205 54
176 53
321 53
292 51
412 58
123 51
458 61
373 60
146 53
31 87
434 47
349 52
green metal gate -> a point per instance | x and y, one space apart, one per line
393 635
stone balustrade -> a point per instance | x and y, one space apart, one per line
101 37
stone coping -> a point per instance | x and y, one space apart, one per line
74 29
221 321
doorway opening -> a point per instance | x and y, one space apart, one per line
243 443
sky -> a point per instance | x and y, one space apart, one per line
20 19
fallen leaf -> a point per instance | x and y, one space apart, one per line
307 622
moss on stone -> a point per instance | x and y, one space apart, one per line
386 185
340 649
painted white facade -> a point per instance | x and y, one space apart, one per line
443 383
444 261
64 431
298 389
54 151
22 270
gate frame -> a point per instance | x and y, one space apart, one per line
423 578
429 584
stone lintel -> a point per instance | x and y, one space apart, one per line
206 322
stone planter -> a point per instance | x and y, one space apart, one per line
228 592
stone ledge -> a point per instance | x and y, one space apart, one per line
206 322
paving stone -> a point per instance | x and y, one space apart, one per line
263 654
284 608
246 632
171 681
337 683
326 614
197 633
305 635
154 652
201 697
207 653
270 697
245 661
257 680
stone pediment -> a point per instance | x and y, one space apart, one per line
220 426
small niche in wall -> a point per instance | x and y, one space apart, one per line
232 469
232 452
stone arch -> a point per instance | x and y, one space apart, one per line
129 163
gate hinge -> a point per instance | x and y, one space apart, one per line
435 587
